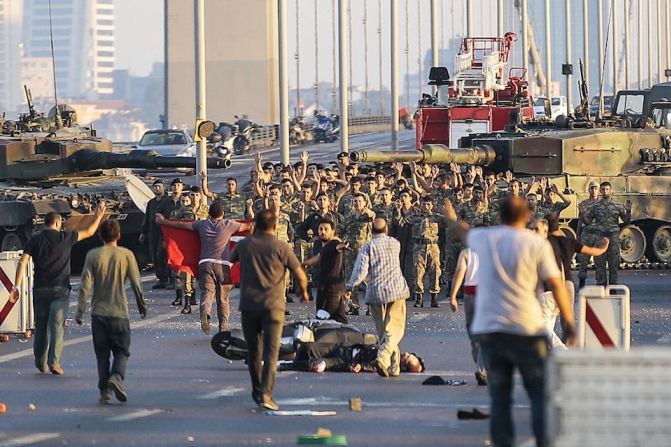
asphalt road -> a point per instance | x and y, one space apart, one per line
182 393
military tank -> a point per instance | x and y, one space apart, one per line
54 165
637 162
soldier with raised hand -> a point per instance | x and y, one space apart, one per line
475 211
548 205
425 227
356 231
606 215
234 203
284 231
587 234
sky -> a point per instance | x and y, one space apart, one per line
139 34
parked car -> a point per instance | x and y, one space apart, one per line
168 142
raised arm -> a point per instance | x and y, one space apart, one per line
93 227
173 223
458 279
203 185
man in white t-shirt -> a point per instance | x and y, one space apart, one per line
508 320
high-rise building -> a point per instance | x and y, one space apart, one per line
10 67
83 39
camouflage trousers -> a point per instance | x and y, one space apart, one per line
184 281
426 258
452 249
612 257
591 239
350 259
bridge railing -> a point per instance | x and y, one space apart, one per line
268 135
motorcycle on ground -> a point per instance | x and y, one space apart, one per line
326 128
246 129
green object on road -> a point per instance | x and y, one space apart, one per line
320 440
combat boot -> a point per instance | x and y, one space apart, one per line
434 300
187 306
419 300
178 298
192 298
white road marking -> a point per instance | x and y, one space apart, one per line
29 439
322 401
224 392
134 415
136 325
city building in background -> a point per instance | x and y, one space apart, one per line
83 34
10 63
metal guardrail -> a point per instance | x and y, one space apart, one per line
267 135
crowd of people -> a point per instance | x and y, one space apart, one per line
355 235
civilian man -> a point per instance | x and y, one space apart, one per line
508 317
51 251
378 260
106 270
214 266
263 259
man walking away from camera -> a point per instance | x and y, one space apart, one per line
263 260
379 261
508 318
51 251
106 270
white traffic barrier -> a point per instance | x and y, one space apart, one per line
609 398
604 319
18 317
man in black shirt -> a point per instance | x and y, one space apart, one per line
263 260
331 285
50 251
151 233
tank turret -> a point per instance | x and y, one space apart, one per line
37 156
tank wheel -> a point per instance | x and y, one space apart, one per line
661 243
632 243
12 241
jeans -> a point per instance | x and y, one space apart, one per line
111 335
263 333
215 284
502 353
51 309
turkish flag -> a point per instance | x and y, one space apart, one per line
183 250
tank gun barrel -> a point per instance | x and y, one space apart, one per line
430 153
87 160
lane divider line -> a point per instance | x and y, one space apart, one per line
29 439
134 415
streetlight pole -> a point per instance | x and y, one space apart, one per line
379 52
394 75
342 65
284 79
569 57
366 110
316 56
585 31
548 51
419 47
297 56
499 18
639 37
626 43
333 42
407 56
469 18
201 77
615 49
525 39
434 38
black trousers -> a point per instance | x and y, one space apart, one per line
333 303
263 333
111 335
159 257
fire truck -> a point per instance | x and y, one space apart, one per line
480 98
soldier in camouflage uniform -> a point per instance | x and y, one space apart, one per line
200 209
587 234
425 226
355 230
606 215
151 234
474 212
385 206
184 282
549 206
284 231
345 198
235 205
